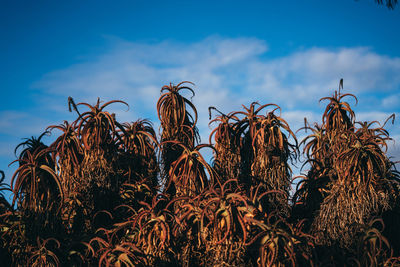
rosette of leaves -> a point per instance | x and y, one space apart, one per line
338 117
97 127
246 129
153 224
266 152
224 226
147 230
68 153
138 159
97 130
32 144
279 243
35 184
190 174
177 123
37 191
227 146
272 152
318 152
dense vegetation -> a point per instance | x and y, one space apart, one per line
107 193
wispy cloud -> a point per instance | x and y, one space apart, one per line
236 68
227 73
302 78
15 122
392 101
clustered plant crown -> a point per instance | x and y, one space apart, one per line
107 193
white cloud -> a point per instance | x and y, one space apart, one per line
392 101
227 73
21 122
238 70
302 78
378 116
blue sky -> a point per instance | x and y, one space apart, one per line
290 53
